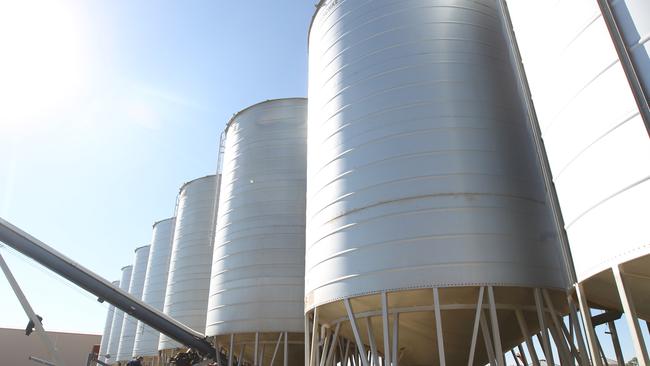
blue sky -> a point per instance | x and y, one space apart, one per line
107 107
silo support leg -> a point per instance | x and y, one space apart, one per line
307 343
495 328
257 345
542 324
395 339
631 317
286 349
589 328
565 359
602 353
373 344
526 333
573 351
477 317
582 348
329 355
275 352
386 331
485 330
355 330
241 355
231 350
616 343
261 359
326 347
314 339
563 350
339 345
439 336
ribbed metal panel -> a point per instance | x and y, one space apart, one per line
155 284
118 318
633 20
103 346
258 271
186 297
597 144
421 166
129 325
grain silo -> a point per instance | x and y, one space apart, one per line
188 283
155 283
588 76
430 237
256 291
103 347
118 318
129 325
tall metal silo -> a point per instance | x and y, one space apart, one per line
588 76
430 238
155 283
188 283
257 287
129 325
118 319
103 346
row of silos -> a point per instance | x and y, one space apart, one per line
172 275
415 221
113 334
253 301
234 266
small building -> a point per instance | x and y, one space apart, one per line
16 347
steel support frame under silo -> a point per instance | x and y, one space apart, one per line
627 304
260 348
365 344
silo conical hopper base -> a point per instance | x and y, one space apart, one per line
602 293
516 310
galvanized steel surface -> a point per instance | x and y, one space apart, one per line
633 21
421 170
186 297
258 270
107 328
129 325
155 283
597 144
118 318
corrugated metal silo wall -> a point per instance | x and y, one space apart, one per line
188 283
421 166
129 325
155 283
258 270
597 144
118 318
107 328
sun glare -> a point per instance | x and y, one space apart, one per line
42 62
